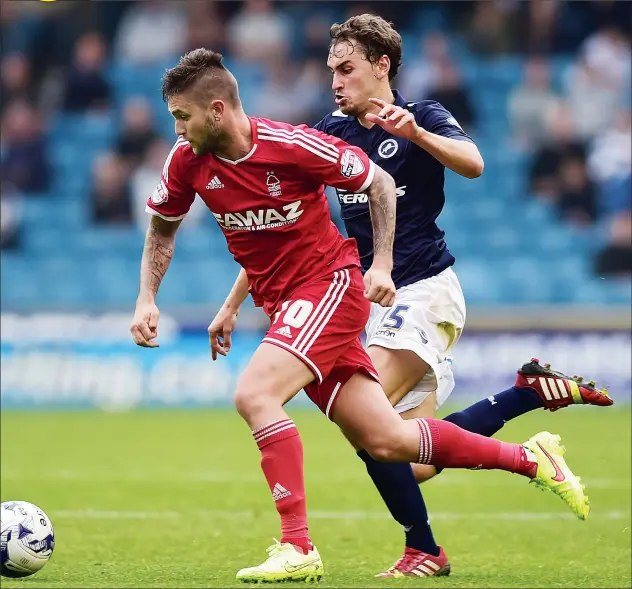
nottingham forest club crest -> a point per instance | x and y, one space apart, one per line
273 184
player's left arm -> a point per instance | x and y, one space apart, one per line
455 153
221 328
333 162
382 207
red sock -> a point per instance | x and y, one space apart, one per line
282 463
446 445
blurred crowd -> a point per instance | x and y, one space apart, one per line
579 139
56 59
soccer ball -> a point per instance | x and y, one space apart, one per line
27 539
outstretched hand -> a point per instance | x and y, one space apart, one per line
394 119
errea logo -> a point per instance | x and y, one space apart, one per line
352 198
260 219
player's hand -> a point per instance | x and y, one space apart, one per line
379 287
144 327
394 119
220 331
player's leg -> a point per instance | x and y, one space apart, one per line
424 325
272 378
306 337
421 556
487 416
427 408
536 387
366 417
399 370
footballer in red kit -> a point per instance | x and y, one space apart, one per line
300 268
264 183
277 190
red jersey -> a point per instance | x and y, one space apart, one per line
270 204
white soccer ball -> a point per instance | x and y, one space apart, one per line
27 539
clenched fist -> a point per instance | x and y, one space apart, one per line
144 327
379 286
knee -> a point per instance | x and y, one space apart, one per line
387 449
250 400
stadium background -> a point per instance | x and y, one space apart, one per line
174 497
542 239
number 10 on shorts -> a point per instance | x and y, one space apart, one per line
296 313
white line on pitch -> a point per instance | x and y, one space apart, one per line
448 479
503 516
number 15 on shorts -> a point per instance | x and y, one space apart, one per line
394 319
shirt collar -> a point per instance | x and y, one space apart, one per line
399 100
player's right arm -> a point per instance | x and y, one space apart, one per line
221 328
168 205
435 131
160 241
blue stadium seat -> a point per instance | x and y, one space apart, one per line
510 248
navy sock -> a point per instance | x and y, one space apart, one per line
489 415
402 495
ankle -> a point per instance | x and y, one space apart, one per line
301 545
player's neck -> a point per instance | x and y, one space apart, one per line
385 94
240 142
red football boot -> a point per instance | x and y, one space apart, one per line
558 390
415 563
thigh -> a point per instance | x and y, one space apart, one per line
275 373
427 408
422 327
273 376
363 412
354 361
389 366
399 370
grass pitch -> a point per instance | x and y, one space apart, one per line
177 499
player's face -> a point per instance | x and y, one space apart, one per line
354 78
198 125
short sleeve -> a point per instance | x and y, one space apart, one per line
321 125
436 119
332 161
173 196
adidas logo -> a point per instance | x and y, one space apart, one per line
279 492
214 183
284 331
426 569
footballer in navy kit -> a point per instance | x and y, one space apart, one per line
421 260
410 343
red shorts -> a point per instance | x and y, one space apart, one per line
321 325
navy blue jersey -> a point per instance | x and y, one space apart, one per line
419 251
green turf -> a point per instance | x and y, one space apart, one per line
176 499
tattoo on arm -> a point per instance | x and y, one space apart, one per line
157 254
382 205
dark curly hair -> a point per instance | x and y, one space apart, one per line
375 35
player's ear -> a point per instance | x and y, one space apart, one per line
382 66
216 109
